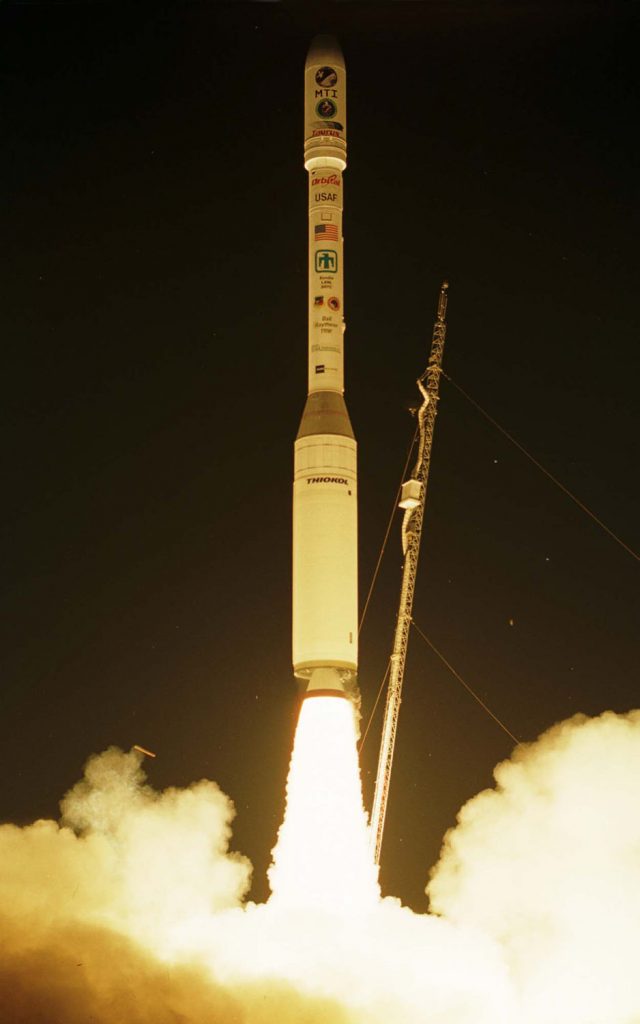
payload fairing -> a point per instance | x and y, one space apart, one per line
325 496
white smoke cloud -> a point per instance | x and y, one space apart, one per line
547 864
133 906
125 856
168 853
91 909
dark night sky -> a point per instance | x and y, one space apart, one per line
154 343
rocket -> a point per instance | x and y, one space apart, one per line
325 495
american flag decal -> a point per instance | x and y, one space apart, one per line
326 231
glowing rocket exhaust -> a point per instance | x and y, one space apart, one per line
325 527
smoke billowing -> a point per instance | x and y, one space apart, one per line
133 908
548 865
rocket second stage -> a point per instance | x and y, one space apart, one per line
325 496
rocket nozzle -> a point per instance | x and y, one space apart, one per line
325 682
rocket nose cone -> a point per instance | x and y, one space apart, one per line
324 50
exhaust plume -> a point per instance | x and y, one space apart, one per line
133 907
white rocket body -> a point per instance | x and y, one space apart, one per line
325 496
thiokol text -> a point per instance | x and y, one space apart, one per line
328 480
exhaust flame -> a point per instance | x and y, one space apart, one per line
322 857
133 907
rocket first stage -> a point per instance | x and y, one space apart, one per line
325 496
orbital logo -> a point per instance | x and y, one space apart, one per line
326 108
327 179
326 77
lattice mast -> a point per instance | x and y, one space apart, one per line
412 500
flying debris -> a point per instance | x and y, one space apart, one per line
325 530
143 750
